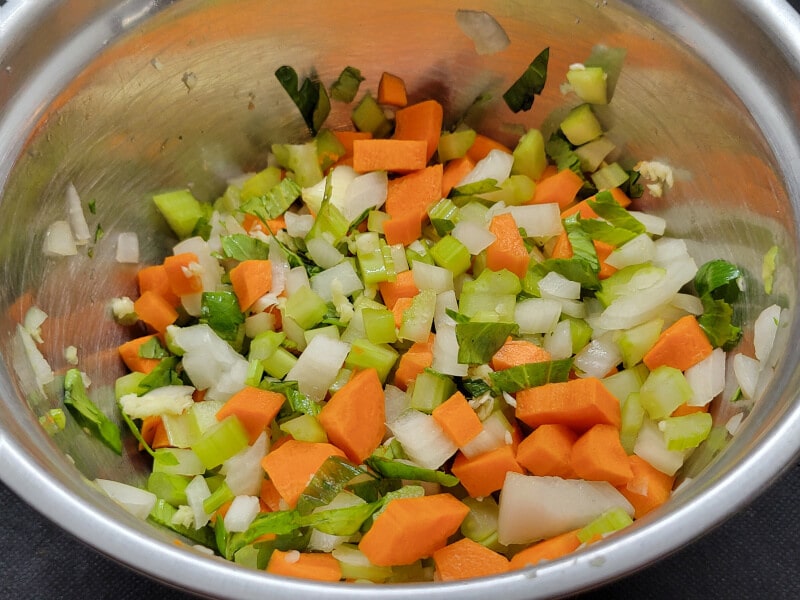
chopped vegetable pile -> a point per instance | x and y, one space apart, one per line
406 354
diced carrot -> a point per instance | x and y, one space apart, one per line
420 121
354 418
154 433
416 359
507 251
400 156
485 473
560 188
684 409
401 305
402 229
129 352
291 465
466 559
578 404
269 495
518 352
319 566
549 171
402 287
648 489
392 90
621 197
546 451
681 345
562 248
251 223
603 251
255 408
251 279
346 139
414 193
598 455
483 145
454 172
20 307
412 528
154 279
457 419
549 549
155 310
182 279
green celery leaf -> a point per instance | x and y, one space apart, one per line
717 323
396 469
329 480
562 154
310 98
87 413
346 86
342 521
609 209
483 186
298 402
374 489
220 310
473 388
165 373
573 269
152 348
162 514
633 188
719 279
582 246
136 433
456 316
522 377
605 232
240 246
521 94
479 342
221 537
275 202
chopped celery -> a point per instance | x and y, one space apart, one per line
592 154
529 155
635 342
581 125
301 160
87 413
345 88
221 442
305 307
481 522
330 223
626 381
452 255
664 390
494 282
514 191
580 332
329 149
368 116
181 210
177 461
417 319
609 522
589 83
609 176
129 384
455 144
444 215
687 431
182 430
632 415
707 451
163 514
279 363
218 497
364 354
379 325
305 428
431 389
260 184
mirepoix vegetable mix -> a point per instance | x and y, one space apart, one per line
402 353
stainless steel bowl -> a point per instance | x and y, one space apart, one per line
123 98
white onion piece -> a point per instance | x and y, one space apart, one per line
32 322
165 400
475 237
734 423
326 542
77 220
210 269
259 323
534 508
135 500
128 247
573 308
559 342
243 472
365 192
652 447
599 356
298 225
483 29
637 251
58 240
42 372
496 165
196 493
538 220
340 179
280 266
422 438
395 402
493 435
399 258
186 463
653 224
296 279
764 331
431 277
706 378
318 366
688 303
537 315
746 370
344 273
445 344
323 252
241 513
556 286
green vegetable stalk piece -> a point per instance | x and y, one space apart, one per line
664 390
368 116
529 156
530 375
610 521
240 246
768 268
260 184
221 442
399 470
162 514
430 389
220 310
181 210
687 431
310 98
275 202
327 483
365 354
520 96
455 144
86 412
479 342
581 125
449 253
345 88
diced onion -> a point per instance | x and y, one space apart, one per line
432 277
135 500
445 344
422 438
34 318
323 252
559 343
42 372
538 220
537 315
58 240
344 273
318 366
483 29
365 192
128 247
296 279
496 165
298 225
196 493
77 220
653 224
554 285
652 447
764 331
599 356
241 513
746 370
707 378
243 472
637 251
473 236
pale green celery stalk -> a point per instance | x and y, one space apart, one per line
444 215
166 486
301 159
369 116
481 522
331 331
379 325
255 372
305 307
375 221
609 176
632 416
610 521
589 84
431 389
664 390
699 459
221 442
487 307
329 149
452 255
366 355
177 461
182 430
494 282
455 144
330 223
419 251
218 497
260 183
626 382
530 158
687 431
514 191
581 125
304 428
634 343
181 210
279 363
128 384
417 320
580 332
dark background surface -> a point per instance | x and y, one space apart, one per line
755 554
